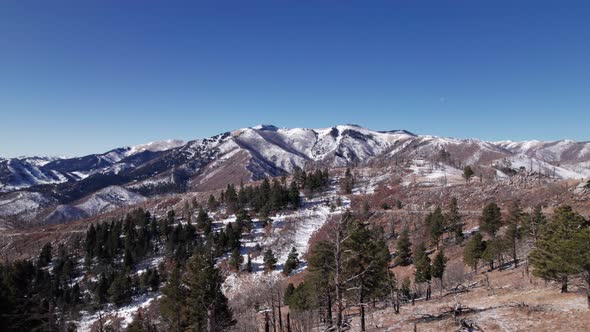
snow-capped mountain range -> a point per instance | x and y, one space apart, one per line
256 152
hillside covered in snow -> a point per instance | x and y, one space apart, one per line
250 154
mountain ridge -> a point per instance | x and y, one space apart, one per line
23 172
253 153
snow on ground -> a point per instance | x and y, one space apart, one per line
522 161
156 146
151 263
293 229
431 173
368 183
153 181
81 175
289 229
126 313
22 202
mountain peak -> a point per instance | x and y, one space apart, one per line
267 127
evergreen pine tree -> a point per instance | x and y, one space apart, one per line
435 223
453 220
292 262
288 293
491 219
128 259
493 251
154 281
212 204
321 267
45 255
204 222
243 221
102 289
553 253
534 222
171 217
347 183
438 267
468 173
403 248
270 261
242 196
90 242
293 195
249 263
236 259
580 254
473 251
173 303
231 199
514 230
365 258
207 307
422 264
120 290
76 295
405 288
302 298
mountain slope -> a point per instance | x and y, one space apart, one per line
256 152
24 172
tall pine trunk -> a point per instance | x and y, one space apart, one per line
361 298
274 317
266 322
211 318
514 254
564 284
329 310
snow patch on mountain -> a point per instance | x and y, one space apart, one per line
22 203
523 162
65 213
109 199
155 146
18 173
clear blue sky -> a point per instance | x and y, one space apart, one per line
79 77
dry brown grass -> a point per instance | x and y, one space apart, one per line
513 302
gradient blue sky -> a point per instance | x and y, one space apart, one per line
79 77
